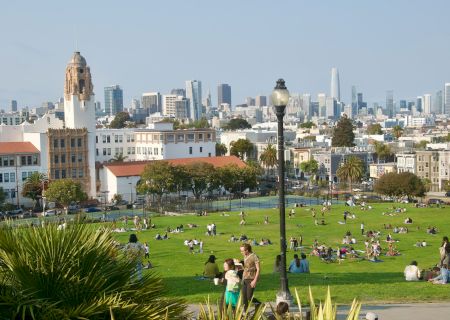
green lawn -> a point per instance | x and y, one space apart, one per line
369 282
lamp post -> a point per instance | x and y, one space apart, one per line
280 98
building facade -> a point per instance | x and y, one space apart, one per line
194 94
223 94
113 100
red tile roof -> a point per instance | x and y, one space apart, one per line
17 148
135 168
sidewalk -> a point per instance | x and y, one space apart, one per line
409 311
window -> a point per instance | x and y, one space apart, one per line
180 137
200 136
150 151
74 173
72 143
63 158
138 150
208 136
1 177
80 157
162 149
80 173
128 150
109 151
104 138
104 151
121 138
132 138
190 150
191 137
96 139
170 138
133 150
209 154
116 151
63 143
56 159
55 143
108 138
5 161
201 149
128 138
56 174
12 177
13 193
73 158
116 138
79 142
6 177
34 159
63 173
11 161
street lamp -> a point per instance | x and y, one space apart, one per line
131 192
280 98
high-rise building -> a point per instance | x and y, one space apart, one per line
437 103
306 105
335 86
402 104
176 106
194 94
178 92
151 101
249 101
390 103
223 94
322 100
426 104
260 101
13 105
113 100
135 104
447 99
419 104
331 107
354 101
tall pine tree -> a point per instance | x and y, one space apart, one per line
343 135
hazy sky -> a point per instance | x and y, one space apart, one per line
403 45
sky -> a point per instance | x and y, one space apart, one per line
145 46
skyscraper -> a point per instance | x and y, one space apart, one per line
390 103
13 105
178 92
335 88
194 94
426 104
354 101
419 103
322 100
260 101
447 99
113 100
306 105
437 105
223 94
151 102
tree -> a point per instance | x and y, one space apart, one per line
120 120
202 178
343 135
309 167
78 273
382 150
236 124
119 158
158 178
117 198
307 125
229 176
351 170
400 184
221 149
241 148
269 156
388 185
65 192
397 131
374 129
32 187
421 145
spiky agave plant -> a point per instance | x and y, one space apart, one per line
76 273
210 312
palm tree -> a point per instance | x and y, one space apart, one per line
383 151
77 273
351 170
32 187
269 156
397 131
119 157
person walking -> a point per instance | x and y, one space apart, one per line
362 228
134 251
147 250
250 277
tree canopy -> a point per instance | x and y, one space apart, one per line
120 120
307 125
343 135
374 128
32 187
237 123
269 156
65 191
352 170
400 184
221 149
397 131
241 148
382 150
309 167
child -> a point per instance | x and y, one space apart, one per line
232 283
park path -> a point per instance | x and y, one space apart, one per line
407 311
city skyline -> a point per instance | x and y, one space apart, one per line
374 54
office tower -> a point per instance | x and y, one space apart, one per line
13 105
151 102
410 105
335 89
402 104
98 106
178 92
260 101
113 100
135 104
322 101
249 101
194 94
426 103
306 105
447 99
176 106
437 103
390 103
223 94
331 108
294 105
419 104
354 101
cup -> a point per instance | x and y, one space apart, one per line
216 281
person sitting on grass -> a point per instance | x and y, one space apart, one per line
412 272
211 268
442 278
294 266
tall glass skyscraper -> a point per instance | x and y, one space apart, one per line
447 99
113 100
390 103
194 94
223 94
335 86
